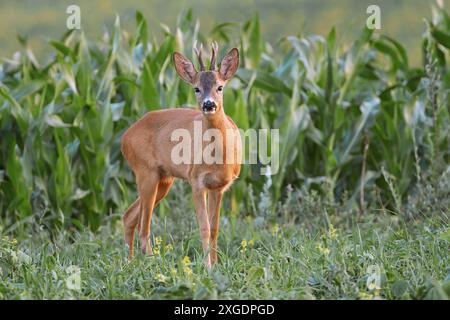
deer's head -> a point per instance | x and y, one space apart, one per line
208 84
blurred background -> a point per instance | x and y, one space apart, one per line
41 20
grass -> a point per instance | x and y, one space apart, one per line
283 257
362 193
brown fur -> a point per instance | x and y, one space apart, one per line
147 147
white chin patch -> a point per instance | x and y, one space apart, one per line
209 111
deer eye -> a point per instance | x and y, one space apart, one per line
220 88
197 90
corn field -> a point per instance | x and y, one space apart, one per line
358 124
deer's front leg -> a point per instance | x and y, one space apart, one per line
203 221
214 203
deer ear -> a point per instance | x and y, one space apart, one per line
229 64
184 67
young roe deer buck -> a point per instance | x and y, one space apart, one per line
147 147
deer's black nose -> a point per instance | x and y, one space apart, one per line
208 104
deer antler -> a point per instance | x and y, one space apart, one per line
214 50
199 55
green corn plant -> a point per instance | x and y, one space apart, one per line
343 114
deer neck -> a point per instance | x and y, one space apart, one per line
217 120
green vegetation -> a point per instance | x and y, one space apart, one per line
364 177
300 256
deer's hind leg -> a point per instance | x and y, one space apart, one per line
130 220
148 189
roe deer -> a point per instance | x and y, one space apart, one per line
147 147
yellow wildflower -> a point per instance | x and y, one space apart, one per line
187 271
243 245
168 247
275 229
158 241
161 278
365 296
323 250
156 251
186 261
251 243
332 232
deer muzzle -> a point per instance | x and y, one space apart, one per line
209 106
